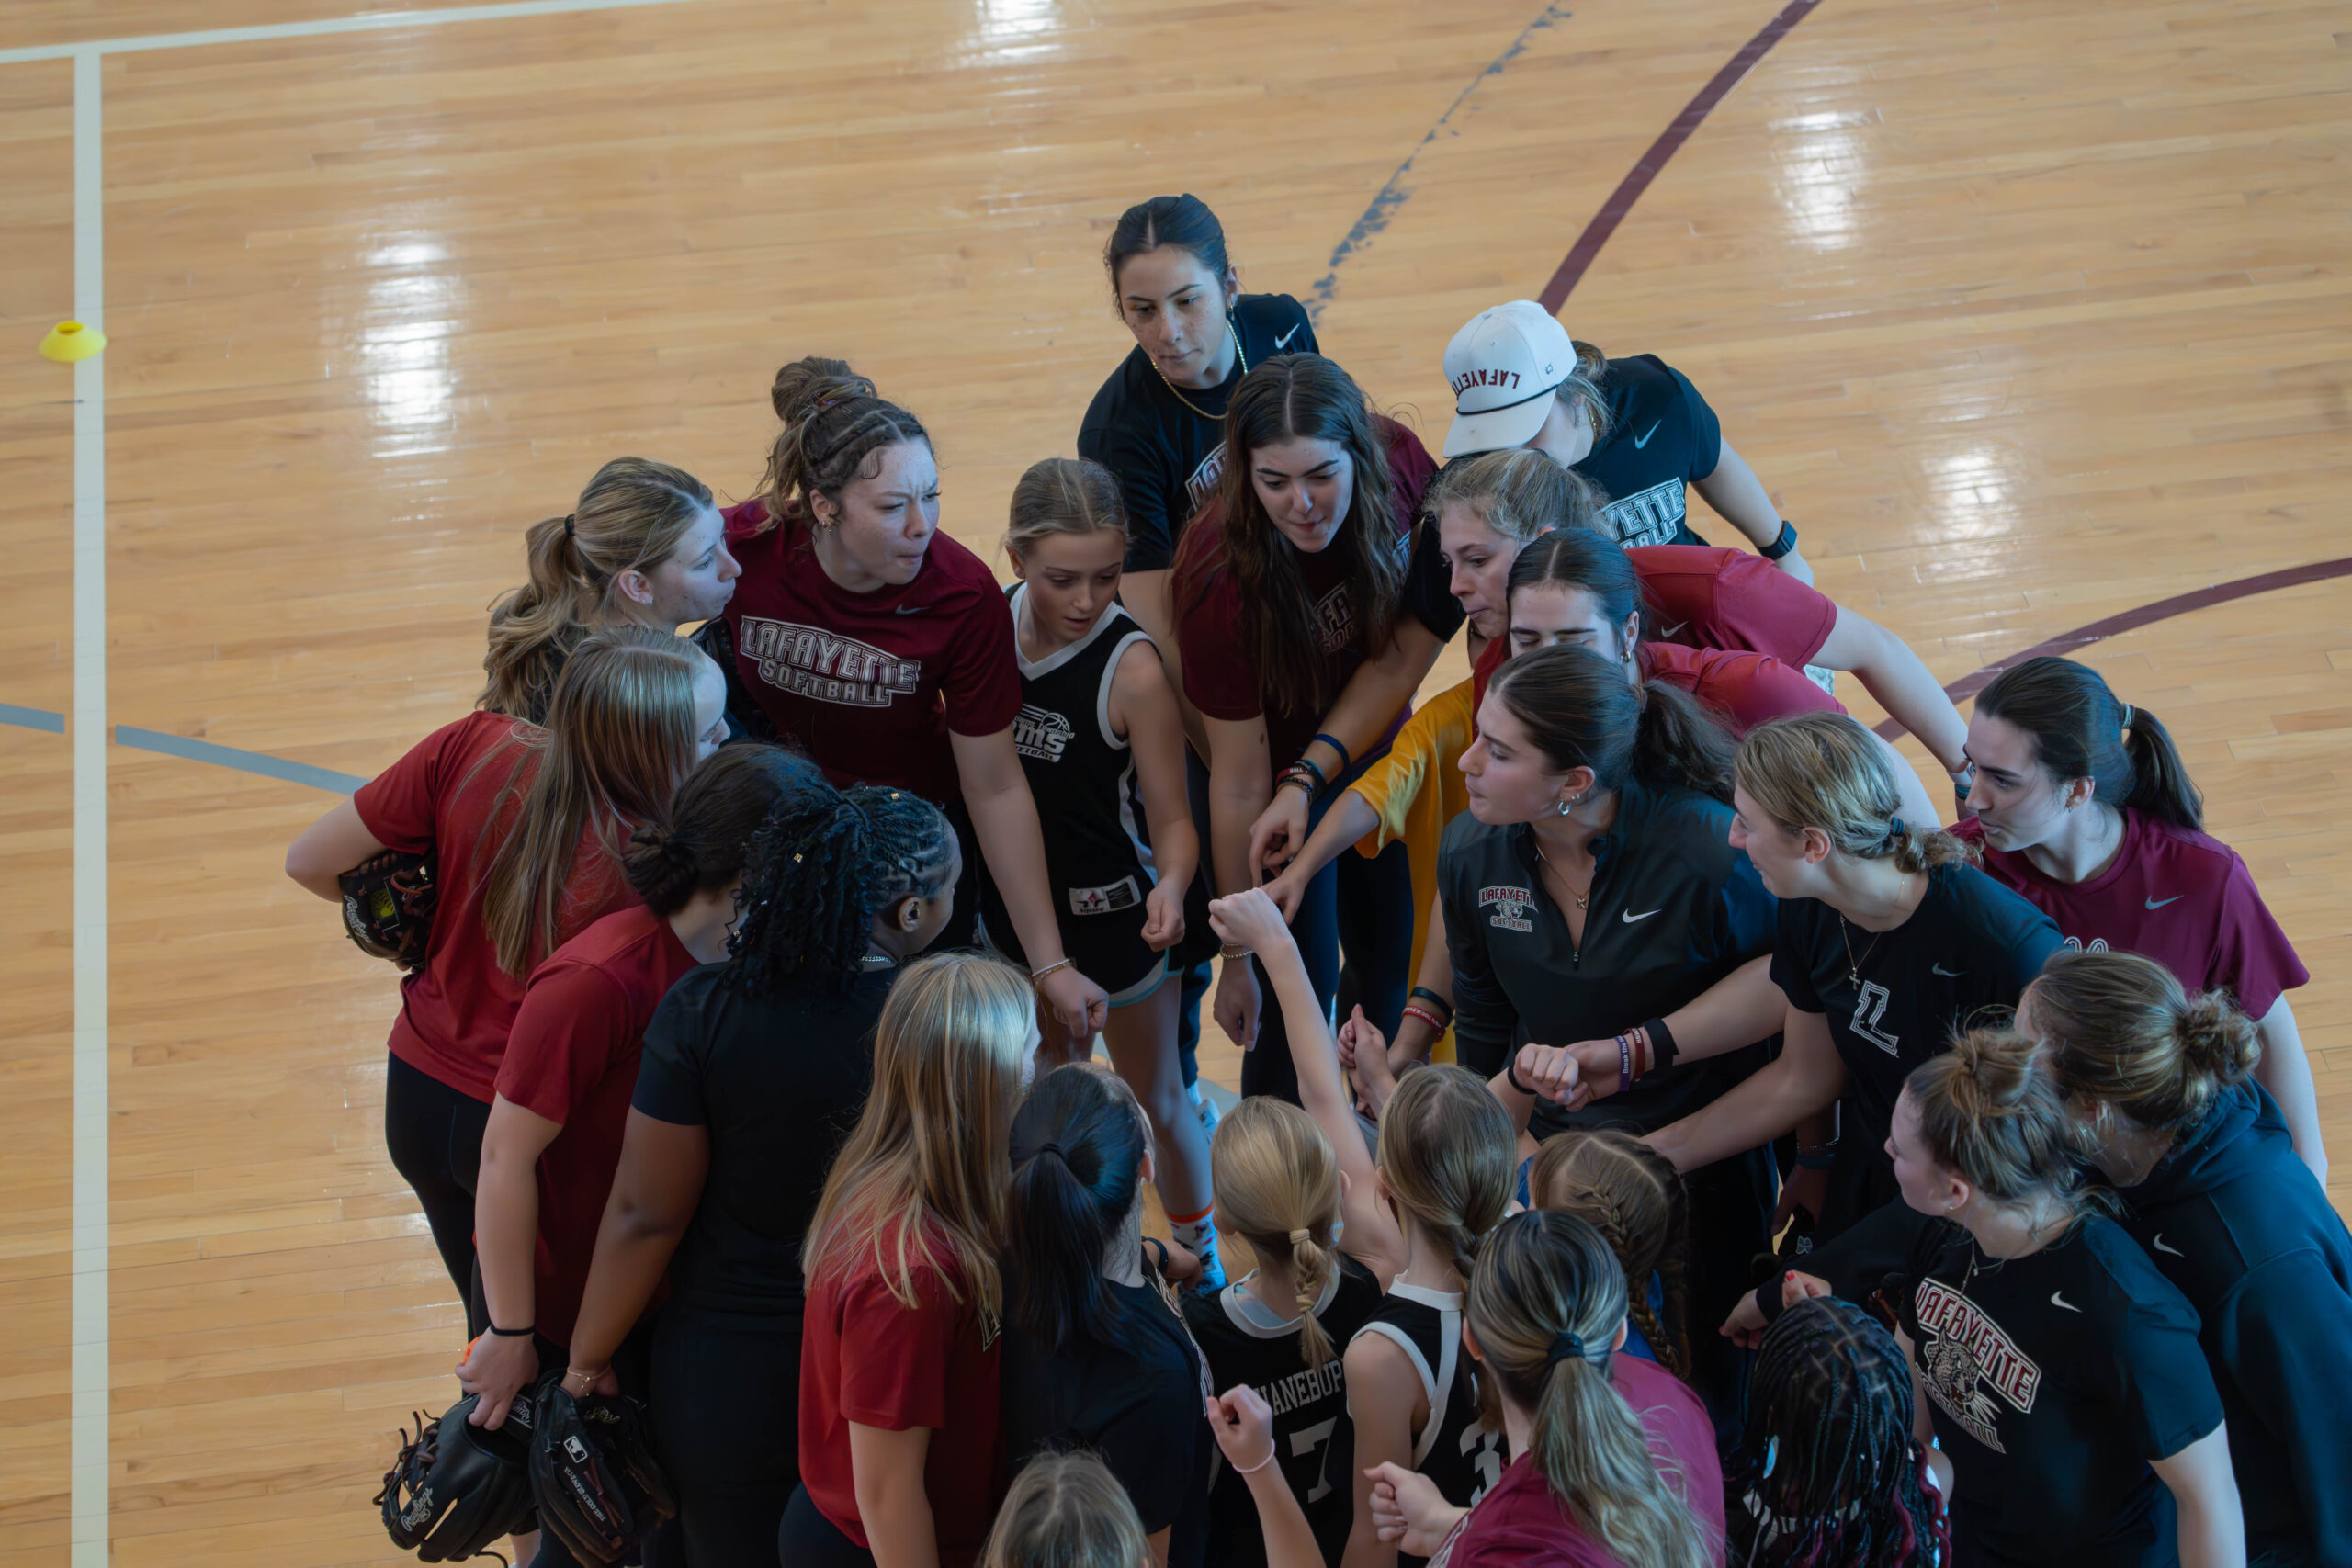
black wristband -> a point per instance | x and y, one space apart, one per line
1662 1051
1782 543
511 1333
1158 1264
1768 1298
1511 1076
1429 995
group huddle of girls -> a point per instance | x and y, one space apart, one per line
1567 997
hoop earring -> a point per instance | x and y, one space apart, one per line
1570 804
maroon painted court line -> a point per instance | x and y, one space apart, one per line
1629 189
2063 643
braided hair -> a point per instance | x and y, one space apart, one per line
822 865
1632 1194
1827 1470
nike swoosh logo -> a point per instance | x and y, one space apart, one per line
1644 439
2058 1299
1285 338
1947 974
1629 917
914 609
1667 635
2160 903
2159 1244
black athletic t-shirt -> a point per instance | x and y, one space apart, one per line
1315 1441
1662 438
1168 457
1139 1404
778 1082
1960 960
2053 1380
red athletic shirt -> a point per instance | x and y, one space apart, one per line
572 1057
871 684
1731 600
2181 898
866 1357
1745 689
1518 1523
1224 684
455 1012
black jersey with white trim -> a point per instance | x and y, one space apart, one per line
1166 449
1453 1447
1315 1445
1895 998
1662 439
2053 1379
1673 908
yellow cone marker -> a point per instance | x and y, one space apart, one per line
70 341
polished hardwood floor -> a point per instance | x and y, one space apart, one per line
2027 315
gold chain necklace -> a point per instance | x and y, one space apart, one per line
1582 898
1235 334
1853 965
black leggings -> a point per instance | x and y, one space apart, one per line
726 1421
434 1133
809 1540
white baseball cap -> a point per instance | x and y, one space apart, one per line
1505 367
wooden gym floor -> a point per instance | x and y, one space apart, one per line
2027 315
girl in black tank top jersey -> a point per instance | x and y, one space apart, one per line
1103 749
1446 1165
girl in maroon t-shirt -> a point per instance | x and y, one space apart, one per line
884 650
1303 638
2083 805
526 827
900 1451
1594 1436
554 1134
644 545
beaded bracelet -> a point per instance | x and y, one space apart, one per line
1037 975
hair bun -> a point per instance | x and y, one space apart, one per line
2218 1040
806 386
1997 1069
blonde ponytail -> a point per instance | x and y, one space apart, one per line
1449 1159
1825 771
1277 1185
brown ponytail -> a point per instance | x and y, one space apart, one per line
2081 730
631 516
2123 1032
707 841
1580 712
1277 1185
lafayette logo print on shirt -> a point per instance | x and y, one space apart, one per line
1203 484
1963 1353
1646 517
829 668
1510 905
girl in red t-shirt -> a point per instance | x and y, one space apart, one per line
644 545
1302 638
884 650
526 827
899 1444
2083 805
554 1134
1591 1482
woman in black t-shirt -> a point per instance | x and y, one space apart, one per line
1636 427
729 1137
2076 1417
1096 1353
1889 943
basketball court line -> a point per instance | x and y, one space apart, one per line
32 719
322 28
260 763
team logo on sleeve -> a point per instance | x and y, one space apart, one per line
1120 894
1041 733
827 668
1652 516
1509 906
1965 1354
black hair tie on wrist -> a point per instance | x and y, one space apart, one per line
1566 1347
510 1333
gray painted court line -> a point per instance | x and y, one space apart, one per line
326 27
32 719
219 756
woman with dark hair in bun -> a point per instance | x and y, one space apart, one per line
753 1072
554 1134
2083 806
2062 1379
2160 1083
884 650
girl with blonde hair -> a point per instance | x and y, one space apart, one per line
2074 1418
644 545
1067 1511
1632 1196
2161 1085
526 827
900 1439
1612 1460
1280 1328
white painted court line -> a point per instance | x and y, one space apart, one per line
91 1374
323 28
